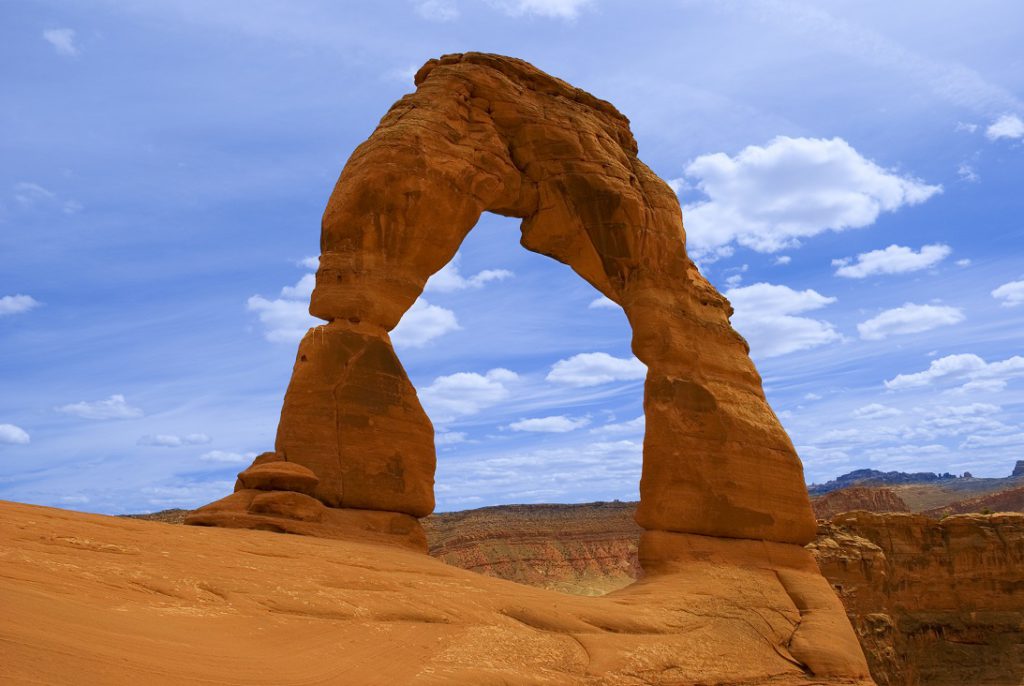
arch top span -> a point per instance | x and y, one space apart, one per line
490 133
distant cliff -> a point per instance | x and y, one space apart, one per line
934 603
858 498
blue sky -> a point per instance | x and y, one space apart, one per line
850 174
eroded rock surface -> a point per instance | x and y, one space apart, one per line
934 603
92 600
865 498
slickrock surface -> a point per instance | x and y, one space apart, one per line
857 498
491 133
88 599
934 603
585 549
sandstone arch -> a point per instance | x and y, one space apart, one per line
489 133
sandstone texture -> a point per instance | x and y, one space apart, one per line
95 600
857 498
1010 500
933 602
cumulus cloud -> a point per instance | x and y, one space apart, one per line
16 304
226 457
909 318
173 441
1012 294
557 424
876 411
423 323
594 369
301 290
13 435
465 393
449 279
1007 126
783 260
768 198
62 40
114 407
896 259
961 366
766 315
284 321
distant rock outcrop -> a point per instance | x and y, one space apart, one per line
873 477
858 498
1018 469
1011 500
934 603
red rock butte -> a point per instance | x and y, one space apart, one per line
354 458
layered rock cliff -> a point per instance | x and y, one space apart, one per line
857 498
933 602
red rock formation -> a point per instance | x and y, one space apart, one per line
1011 500
857 498
934 603
721 488
583 549
489 133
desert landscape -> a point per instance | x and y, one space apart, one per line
710 485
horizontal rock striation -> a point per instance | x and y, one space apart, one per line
857 498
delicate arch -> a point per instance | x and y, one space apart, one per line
489 133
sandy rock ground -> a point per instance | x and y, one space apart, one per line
89 599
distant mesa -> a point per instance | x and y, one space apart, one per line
722 487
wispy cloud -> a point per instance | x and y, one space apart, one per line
553 424
62 40
960 366
172 440
908 319
114 407
896 259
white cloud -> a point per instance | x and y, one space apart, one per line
1007 126
284 321
909 318
227 457
556 424
633 426
114 407
876 411
961 366
437 10
62 40
1012 294
312 262
997 441
768 198
812 396
173 441
465 393
593 369
966 173
734 280
301 290
766 316
965 262
561 9
783 260
13 435
965 126
28 194
423 323
449 279
16 304
896 259
450 438
603 303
